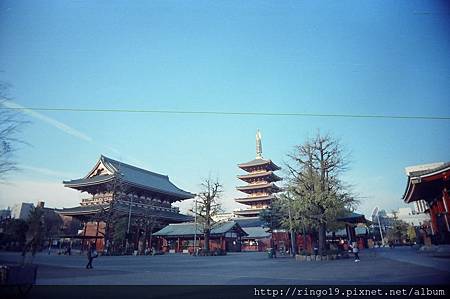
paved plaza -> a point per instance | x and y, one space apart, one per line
377 266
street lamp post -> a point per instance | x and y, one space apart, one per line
195 229
292 231
129 222
381 231
376 213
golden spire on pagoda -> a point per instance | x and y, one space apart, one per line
258 145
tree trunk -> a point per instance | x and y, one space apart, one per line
322 237
206 240
150 238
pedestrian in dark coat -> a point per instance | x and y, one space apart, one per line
91 254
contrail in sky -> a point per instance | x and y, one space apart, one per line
66 129
53 122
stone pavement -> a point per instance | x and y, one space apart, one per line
377 266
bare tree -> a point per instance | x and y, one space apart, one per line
11 123
35 233
42 224
147 223
208 206
118 192
315 189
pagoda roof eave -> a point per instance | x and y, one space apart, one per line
259 162
258 186
260 174
248 212
254 199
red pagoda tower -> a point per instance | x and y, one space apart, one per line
260 179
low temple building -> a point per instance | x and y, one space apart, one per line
124 195
180 237
258 236
428 187
355 228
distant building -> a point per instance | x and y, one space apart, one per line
409 216
386 220
430 183
5 213
22 210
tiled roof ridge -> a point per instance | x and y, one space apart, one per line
428 171
112 161
257 159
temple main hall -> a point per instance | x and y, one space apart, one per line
138 200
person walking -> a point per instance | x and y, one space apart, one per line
355 251
91 254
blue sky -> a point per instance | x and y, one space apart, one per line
349 57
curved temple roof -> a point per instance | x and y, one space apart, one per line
259 162
426 181
353 217
251 187
90 210
131 175
189 229
247 177
250 199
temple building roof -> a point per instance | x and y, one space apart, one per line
250 222
251 187
123 207
256 232
255 198
259 162
189 229
107 169
249 212
270 174
426 181
82 210
353 217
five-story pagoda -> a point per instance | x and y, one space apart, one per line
260 179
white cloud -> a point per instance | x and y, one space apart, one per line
48 172
55 195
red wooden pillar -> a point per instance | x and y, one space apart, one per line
446 202
221 243
434 227
178 245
